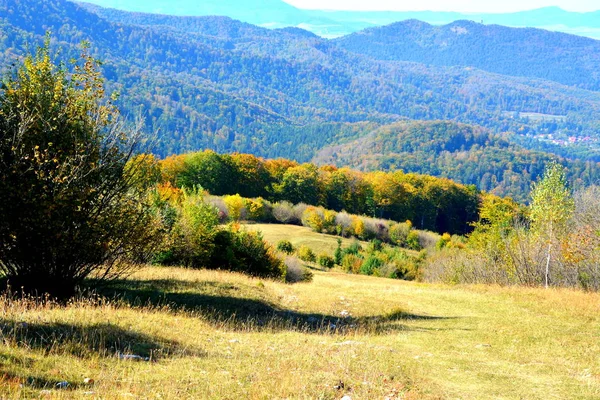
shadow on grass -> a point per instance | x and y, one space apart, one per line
88 340
223 305
36 382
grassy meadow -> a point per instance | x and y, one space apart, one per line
220 335
302 236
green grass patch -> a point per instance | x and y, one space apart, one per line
302 236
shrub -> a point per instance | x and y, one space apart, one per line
299 212
351 263
258 209
70 203
191 242
358 227
295 271
354 248
285 246
283 212
236 206
427 240
306 254
374 245
329 221
219 204
343 222
371 265
376 229
338 253
412 241
399 233
443 241
246 252
326 261
313 218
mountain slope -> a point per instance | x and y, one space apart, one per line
464 153
212 82
227 85
567 59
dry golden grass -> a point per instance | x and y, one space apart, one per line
219 335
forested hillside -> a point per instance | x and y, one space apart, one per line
464 153
435 204
220 84
567 59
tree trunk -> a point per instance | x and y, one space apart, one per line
548 263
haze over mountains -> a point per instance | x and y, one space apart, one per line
328 23
213 82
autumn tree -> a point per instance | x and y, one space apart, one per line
69 207
552 205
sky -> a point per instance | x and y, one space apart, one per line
475 6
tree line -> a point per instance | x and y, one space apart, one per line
435 204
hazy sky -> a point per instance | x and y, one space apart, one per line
447 5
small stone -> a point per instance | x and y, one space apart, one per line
88 381
234 341
346 397
345 313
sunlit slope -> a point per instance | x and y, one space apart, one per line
222 335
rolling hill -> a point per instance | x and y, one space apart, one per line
464 153
558 57
217 83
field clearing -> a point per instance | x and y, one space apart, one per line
219 335
301 235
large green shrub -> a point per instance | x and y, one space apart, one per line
326 261
191 241
285 246
246 252
70 203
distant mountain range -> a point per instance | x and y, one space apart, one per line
533 53
279 14
213 82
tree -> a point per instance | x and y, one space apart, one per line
69 207
551 207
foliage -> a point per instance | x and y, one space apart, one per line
71 196
285 246
306 254
191 241
246 252
309 93
236 206
295 271
551 207
326 261
412 241
337 255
